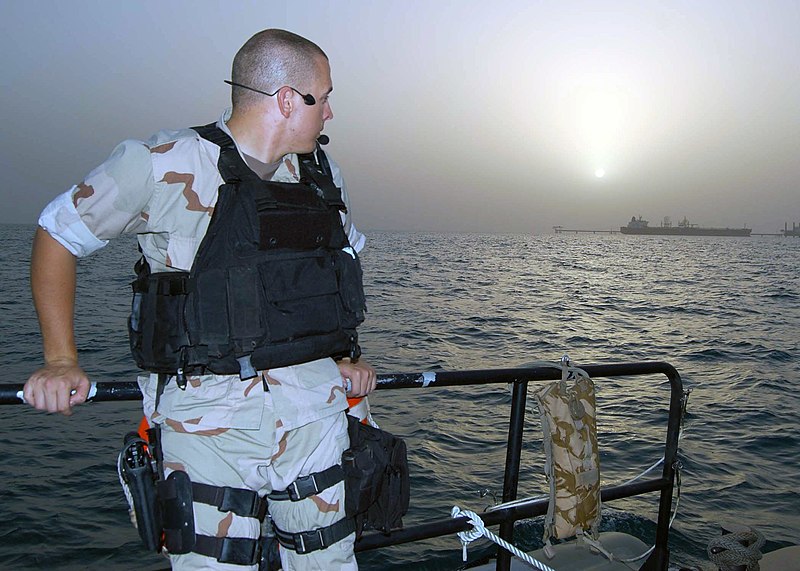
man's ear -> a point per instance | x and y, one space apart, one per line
285 101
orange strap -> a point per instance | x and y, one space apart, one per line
353 401
142 430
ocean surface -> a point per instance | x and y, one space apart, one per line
724 311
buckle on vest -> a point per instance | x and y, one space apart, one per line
180 379
355 349
246 369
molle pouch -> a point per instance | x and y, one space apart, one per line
362 473
175 497
247 327
156 342
301 297
392 504
568 415
209 313
350 276
377 486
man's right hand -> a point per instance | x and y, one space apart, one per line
57 387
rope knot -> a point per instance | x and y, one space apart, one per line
479 530
468 536
738 548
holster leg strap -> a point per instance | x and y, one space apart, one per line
177 494
304 542
235 550
244 503
310 485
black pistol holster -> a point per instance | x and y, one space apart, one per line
139 474
162 508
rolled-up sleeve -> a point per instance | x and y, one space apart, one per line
61 220
111 200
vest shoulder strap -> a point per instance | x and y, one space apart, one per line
215 135
319 177
233 168
231 165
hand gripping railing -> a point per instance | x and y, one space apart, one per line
505 517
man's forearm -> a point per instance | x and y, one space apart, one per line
53 270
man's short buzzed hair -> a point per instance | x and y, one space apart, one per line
271 59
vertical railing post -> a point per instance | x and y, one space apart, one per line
659 559
516 425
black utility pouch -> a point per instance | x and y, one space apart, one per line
175 496
156 329
377 485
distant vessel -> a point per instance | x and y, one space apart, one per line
795 231
684 228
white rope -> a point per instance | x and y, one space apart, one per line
479 530
531 499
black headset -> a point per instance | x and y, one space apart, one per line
308 99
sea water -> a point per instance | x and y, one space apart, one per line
724 311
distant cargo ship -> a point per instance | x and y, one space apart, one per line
684 228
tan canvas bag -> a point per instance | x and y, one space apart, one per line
572 466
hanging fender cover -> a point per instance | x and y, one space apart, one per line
569 425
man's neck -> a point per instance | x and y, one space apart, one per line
255 136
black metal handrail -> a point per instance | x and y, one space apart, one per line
658 559
504 516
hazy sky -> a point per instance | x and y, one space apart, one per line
449 115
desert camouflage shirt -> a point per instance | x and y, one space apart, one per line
164 190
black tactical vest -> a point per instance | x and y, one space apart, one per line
275 281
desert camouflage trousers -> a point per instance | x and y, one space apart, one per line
264 459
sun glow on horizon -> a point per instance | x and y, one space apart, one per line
600 121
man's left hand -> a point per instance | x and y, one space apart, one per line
363 379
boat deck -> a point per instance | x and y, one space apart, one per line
571 556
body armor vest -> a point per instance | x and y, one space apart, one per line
274 282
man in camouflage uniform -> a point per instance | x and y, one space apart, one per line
261 434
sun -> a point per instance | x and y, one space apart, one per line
600 173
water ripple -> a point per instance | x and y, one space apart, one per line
724 312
